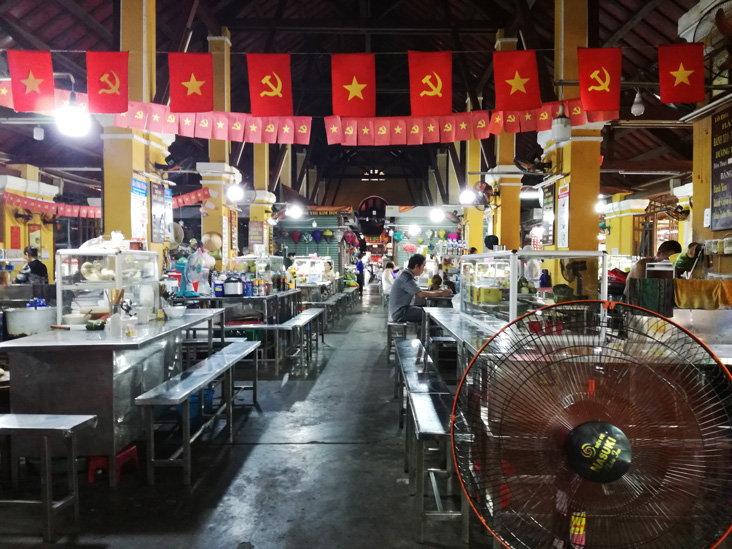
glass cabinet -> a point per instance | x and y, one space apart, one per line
257 267
86 277
507 284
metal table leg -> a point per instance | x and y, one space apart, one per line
46 488
186 442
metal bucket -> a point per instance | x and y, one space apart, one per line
28 321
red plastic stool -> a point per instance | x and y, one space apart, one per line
102 462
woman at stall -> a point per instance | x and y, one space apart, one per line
33 272
387 281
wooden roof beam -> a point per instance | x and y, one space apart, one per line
630 24
89 21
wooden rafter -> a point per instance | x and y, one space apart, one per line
532 42
92 24
274 178
630 24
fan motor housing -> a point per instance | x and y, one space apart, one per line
599 451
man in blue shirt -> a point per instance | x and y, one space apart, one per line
404 290
359 274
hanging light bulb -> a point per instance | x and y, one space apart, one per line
468 196
294 211
437 215
561 127
72 120
234 193
314 223
637 108
39 133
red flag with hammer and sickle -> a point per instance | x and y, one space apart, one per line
191 82
107 81
270 84
599 78
430 83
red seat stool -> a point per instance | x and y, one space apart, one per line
102 462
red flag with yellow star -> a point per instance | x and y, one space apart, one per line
220 128
354 84
333 129
516 80
528 121
431 129
430 83
186 124
365 131
463 127
31 75
106 81
680 73
253 130
6 95
270 84
286 132
191 82
496 124
398 131
155 117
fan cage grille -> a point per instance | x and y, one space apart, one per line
561 366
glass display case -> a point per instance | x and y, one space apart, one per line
86 277
257 267
310 270
494 285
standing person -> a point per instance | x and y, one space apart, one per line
472 250
289 260
33 272
665 250
387 281
405 289
359 274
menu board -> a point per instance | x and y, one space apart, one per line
138 210
547 223
157 212
721 199
563 216
169 212
256 234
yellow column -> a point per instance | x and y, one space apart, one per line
619 216
261 207
570 33
129 153
27 184
473 217
215 213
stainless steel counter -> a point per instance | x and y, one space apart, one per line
91 373
85 340
287 304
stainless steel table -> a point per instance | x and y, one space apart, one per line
92 373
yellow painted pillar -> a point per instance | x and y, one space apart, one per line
216 175
473 217
619 216
16 231
129 153
570 33
261 208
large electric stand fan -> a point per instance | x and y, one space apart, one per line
593 424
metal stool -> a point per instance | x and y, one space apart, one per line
394 329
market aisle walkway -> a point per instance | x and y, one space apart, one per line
319 466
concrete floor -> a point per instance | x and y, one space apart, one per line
319 465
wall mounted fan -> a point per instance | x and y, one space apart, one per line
594 424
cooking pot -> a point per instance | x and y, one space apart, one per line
28 321
233 286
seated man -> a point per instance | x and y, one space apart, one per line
405 289
665 250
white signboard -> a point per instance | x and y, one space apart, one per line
169 212
563 216
138 211
225 239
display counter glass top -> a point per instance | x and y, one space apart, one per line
85 339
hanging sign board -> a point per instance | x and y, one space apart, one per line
138 211
721 199
547 223
157 212
563 216
234 229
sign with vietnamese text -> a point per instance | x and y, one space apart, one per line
721 199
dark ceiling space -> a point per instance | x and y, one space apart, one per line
311 30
